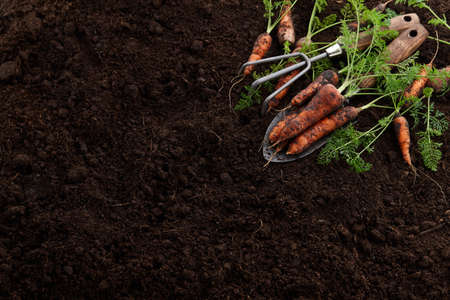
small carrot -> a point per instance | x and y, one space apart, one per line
326 77
417 86
322 128
438 84
302 42
326 100
402 132
262 43
286 32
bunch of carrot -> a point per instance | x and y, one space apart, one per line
322 115
263 42
325 112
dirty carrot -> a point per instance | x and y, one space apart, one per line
275 101
260 48
322 128
438 84
401 128
276 130
286 32
262 43
301 42
417 86
326 100
264 40
326 77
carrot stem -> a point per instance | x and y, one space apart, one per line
268 5
370 104
383 129
439 40
325 28
311 21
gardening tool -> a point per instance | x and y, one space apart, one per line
399 49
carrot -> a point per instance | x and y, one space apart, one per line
326 77
286 32
260 49
302 42
322 128
402 132
326 100
417 86
276 131
438 84
275 101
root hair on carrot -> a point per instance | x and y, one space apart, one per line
229 92
436 183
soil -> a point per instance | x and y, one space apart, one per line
124 175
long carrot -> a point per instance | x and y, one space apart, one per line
322 128
326 100
402 132
260 48
276 130
326 77
275 101
286 32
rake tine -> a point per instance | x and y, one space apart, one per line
276 92
331 51
277 74
268 59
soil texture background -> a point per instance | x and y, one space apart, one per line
124 174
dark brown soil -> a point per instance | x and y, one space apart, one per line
123 173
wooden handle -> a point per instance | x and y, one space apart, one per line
402 22
401 48
406 43
398 23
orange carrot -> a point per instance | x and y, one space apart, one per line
286 30
260 48
417 86
437 84
275 101
326 77
326 100
322 128
404 141
276 131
